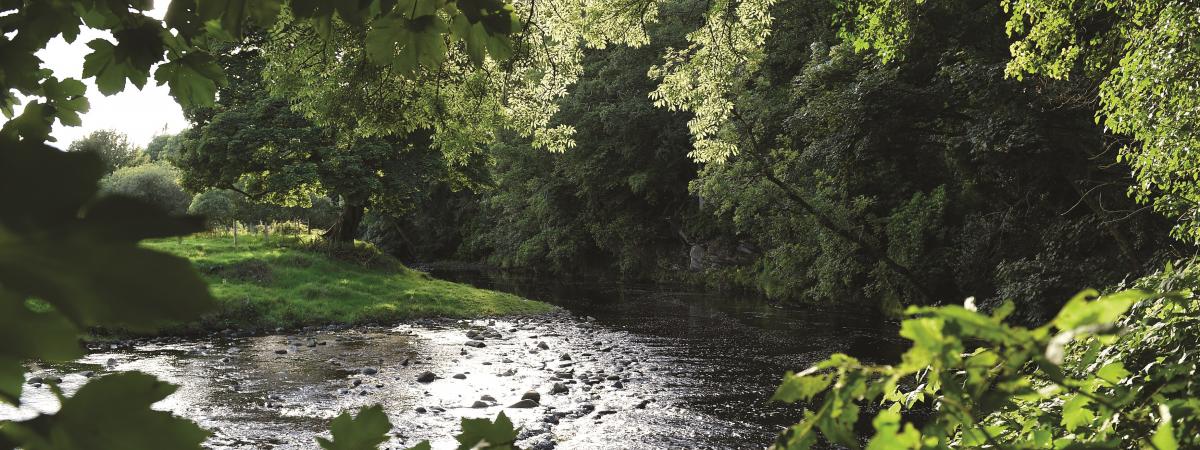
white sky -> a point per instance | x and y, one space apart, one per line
141 114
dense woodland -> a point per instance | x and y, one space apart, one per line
868 154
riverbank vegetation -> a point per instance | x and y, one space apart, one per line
289 281
871 153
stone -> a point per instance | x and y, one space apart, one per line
618 385
421 410
369 371
532 395
426 377
559 388
525 403
475 344
459 376
488 398
479 404
281 352
542 345
642 404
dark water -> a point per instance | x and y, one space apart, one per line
730 350
643 367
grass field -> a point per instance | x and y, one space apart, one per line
291 281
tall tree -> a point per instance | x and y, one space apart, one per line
252 142
112 147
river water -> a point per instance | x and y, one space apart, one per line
636 366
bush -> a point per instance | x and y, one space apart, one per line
1107 372
157 184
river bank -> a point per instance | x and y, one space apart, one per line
288 282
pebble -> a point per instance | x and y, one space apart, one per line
426 377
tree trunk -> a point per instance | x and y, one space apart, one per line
235 233
346 227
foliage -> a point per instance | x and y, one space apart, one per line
1097 376
164 147
79 254
154 183
113 148
254 143
219 207
618 200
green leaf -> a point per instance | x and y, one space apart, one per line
800 387
1164 435
407 44
233 16
366 431
1112 373
29 335
109 69
1075 412
889 436
483 433
1107 309
193 79
112 412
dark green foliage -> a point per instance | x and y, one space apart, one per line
254 143
111 412
978 185
617 202
367 430
80 255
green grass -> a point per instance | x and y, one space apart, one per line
293 281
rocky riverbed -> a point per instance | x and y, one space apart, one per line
566 381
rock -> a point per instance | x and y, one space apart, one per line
613 377
506 361
565 357
586 407
35 380
421 410
426 377
378 385
479 404
642 404
343 391
558 388
532 395
488 398
369 371
475 344
459 376
618 385
524 403
542 345
111 362
281 352
355 383
471 334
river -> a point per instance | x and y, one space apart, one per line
621 367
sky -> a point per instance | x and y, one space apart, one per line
141 114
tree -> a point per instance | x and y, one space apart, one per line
156 183
220 207
164 147
252 142
112 147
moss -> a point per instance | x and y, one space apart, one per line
292 282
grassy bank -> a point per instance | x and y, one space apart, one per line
290 282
